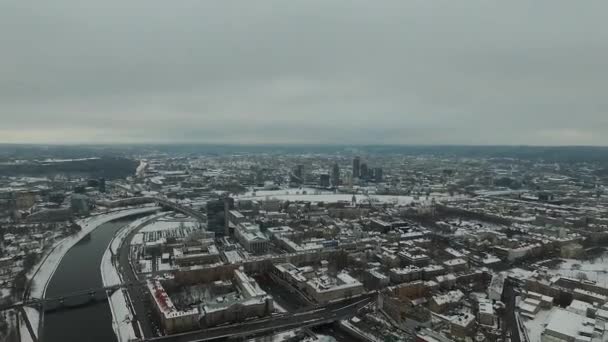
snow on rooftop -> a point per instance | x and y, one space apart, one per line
570 324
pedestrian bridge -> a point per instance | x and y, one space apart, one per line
70 300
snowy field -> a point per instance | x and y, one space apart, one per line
318 195
330 198
44 270
595 270
290 191
168 224
166 227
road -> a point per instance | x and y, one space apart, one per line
313 317
510 323
139 298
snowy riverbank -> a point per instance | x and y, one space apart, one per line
42 273
121 315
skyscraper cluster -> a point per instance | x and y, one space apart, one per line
363 172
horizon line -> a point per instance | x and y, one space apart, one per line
236 144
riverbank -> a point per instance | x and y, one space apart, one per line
122 316
43 272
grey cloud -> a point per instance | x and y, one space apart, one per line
415 72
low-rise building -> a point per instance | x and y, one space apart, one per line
405 274
326 288
567 326
251 238
172 320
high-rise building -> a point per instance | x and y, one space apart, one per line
216 215
335 175
228 205
299 171
378 174
356 167
324 180
102 185
298 174
363 171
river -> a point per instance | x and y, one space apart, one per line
79 270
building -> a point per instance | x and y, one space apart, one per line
215 216
567 326
431 271
251 238
235 217
406 274
24 199
418 259
298 174
206 253
183 307
378 177
442 302
80 204
245 300
324 180
380 226
485 313
456 265
326 288
373 279
335 175
462 325
172 320
405 304
228 206
363 172
293 275
356 167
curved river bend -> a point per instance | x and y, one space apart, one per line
79 270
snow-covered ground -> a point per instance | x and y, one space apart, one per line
289 191
122 234
165 227
330 197
146 266
121 315
317 195
536 326
44 270
162 225
34 317
595 270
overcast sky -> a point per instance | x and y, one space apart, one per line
310 71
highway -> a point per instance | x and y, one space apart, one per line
312 317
